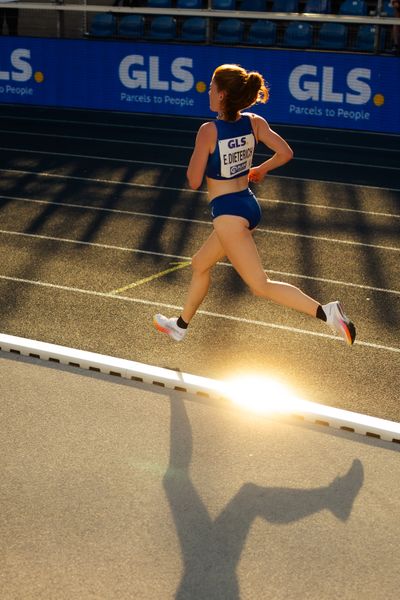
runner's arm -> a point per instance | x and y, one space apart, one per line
205 139
282 151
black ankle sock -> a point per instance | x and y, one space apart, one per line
320 313
181 323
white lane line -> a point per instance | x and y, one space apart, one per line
273 175
96 139
185 258
360 186
198 221
321 238
91 157
201 312
182 147
330 281
100 180
93 244
180 166
101 124
173 118
337 145
186 383
328 207
169 130
184 190
114 210
318 238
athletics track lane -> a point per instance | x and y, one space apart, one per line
95 208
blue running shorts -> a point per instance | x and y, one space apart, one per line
240 204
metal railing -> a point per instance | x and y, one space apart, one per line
77 27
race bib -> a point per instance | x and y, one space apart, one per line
236 155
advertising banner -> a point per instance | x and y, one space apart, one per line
322 89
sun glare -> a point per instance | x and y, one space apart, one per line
262 395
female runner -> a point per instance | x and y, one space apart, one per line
223 152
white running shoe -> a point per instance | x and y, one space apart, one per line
169 327
338 322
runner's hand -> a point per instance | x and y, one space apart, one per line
256 174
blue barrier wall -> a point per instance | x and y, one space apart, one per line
346 91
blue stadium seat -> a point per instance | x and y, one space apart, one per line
254 5
194 29
223 4
365 39
189 4
387 9
332 36
131 26
229 31
159 3
322 7
103 25
298 35
353 7
285 6
262 33
386 38
162 28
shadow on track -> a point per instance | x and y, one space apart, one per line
211 550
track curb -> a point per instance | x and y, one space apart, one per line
319 414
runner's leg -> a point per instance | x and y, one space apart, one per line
202 262
239 246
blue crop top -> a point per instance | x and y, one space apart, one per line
233 154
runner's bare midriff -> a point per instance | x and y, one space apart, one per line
219 187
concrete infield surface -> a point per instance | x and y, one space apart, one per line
113 489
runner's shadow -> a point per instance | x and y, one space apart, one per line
211 550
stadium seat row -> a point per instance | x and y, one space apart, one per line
333 36
347 7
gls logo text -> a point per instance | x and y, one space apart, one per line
321 86
21 69
149 78
237 142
